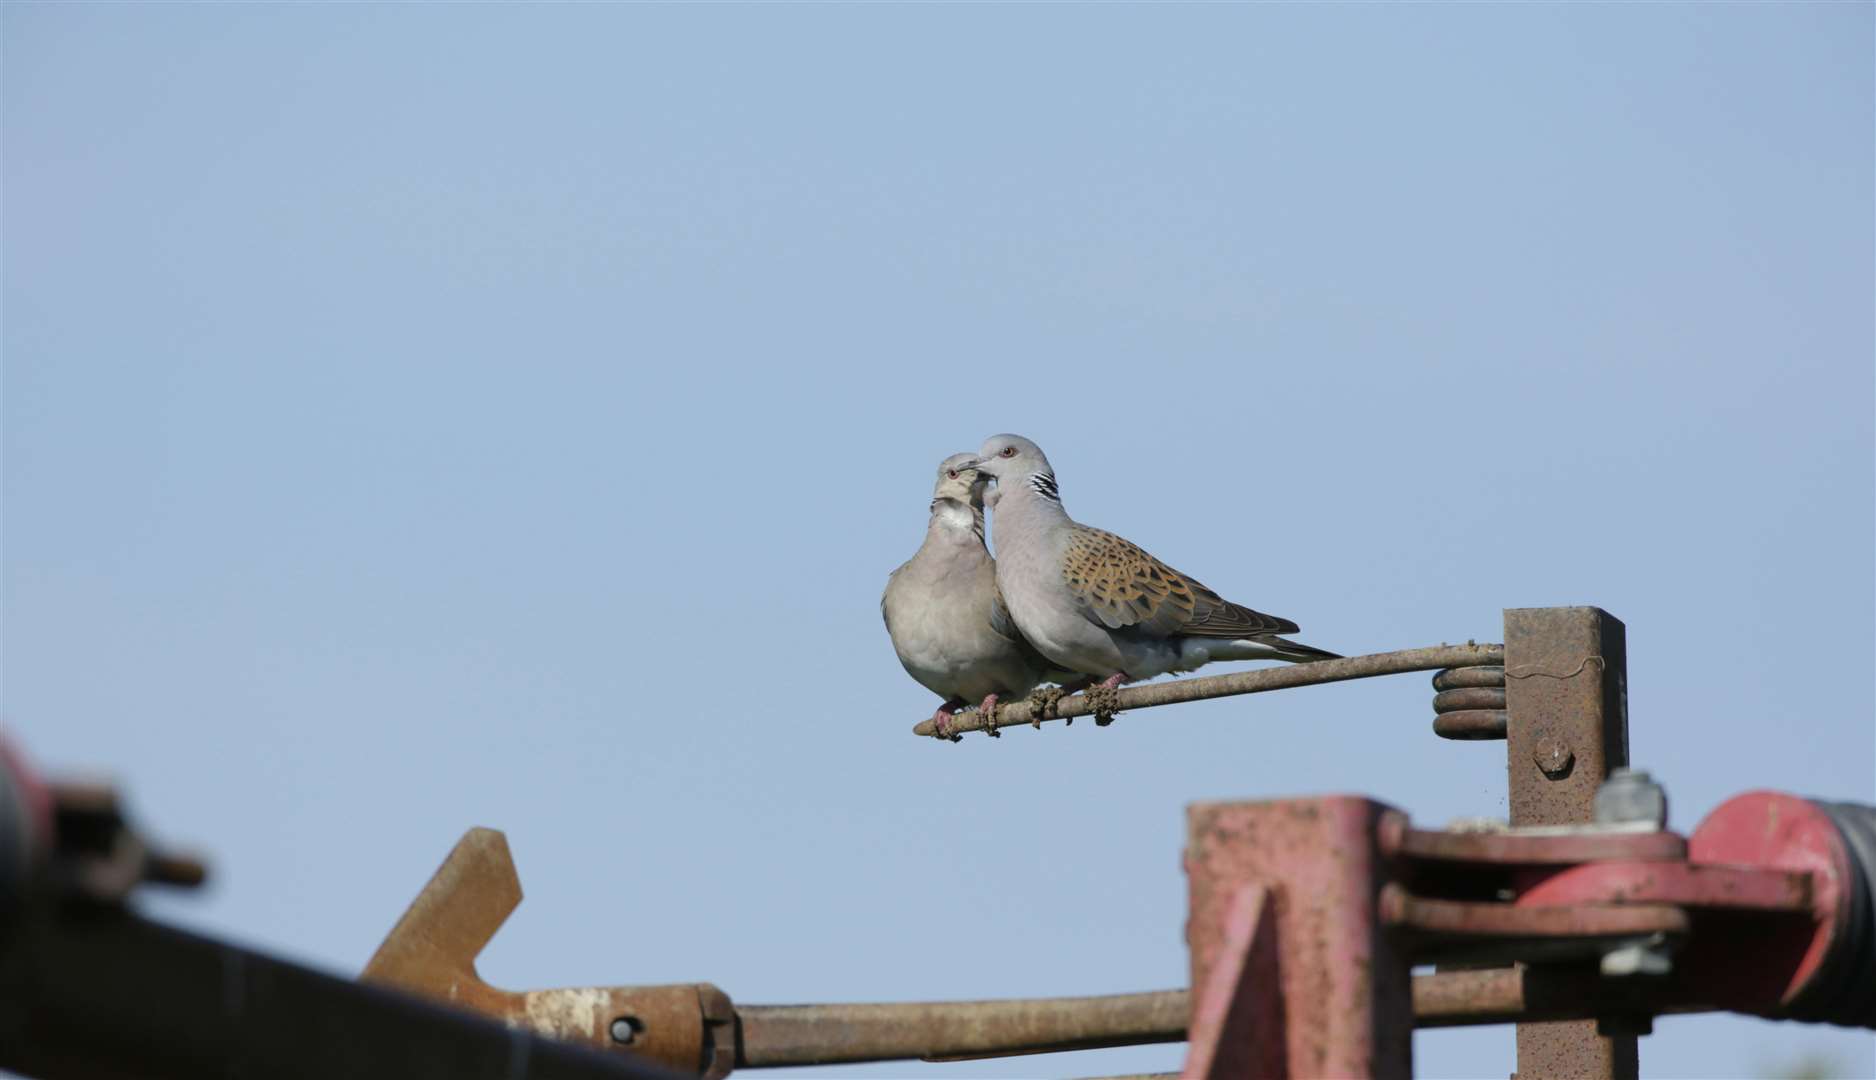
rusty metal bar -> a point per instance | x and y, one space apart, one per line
787 1035
777 1035
1240 682
1469 998
1566 700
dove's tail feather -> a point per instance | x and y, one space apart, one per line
1272 647
1196 652
1299 652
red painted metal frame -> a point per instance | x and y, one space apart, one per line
1307 915
1342 999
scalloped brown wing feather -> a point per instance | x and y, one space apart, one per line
1121 586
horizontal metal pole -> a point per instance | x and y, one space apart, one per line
782 1035
774 1035
1259 681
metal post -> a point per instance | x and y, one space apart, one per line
1292 972
1566 698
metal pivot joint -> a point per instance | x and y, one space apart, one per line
1757 909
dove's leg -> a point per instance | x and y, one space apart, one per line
988 710
1042 704
941 720
1101 697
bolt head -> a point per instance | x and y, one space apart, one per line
1552 757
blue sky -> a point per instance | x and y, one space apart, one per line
419 417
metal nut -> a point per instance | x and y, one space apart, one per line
1631 796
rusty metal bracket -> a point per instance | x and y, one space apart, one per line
432 950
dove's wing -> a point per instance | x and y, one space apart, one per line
1005 627
1000 619
885 597
1120 586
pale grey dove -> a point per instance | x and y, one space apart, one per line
947 622
1091 602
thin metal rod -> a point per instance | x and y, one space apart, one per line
1241 682
772 1036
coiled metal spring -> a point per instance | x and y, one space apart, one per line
1469 702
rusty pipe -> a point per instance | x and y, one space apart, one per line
777 1035
773 1036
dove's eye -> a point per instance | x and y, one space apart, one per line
1009 451
952 473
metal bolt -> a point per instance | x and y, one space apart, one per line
1631 796
625 1029
1553 758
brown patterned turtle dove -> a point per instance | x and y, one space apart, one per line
1091 602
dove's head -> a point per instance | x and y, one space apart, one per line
959 479
1010 457
1012 460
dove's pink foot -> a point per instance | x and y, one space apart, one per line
988 710
1113 681
941 720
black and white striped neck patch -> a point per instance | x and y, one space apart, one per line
1043 484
